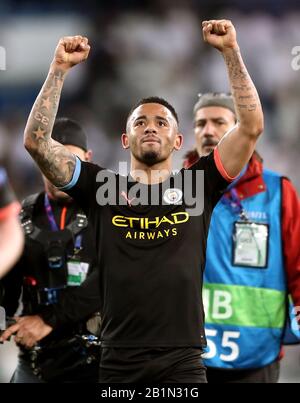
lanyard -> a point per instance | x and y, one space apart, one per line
233 201
235 204
50 215
53 224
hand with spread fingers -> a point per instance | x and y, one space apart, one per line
220 34
71 50
28 330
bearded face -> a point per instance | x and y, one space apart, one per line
152 134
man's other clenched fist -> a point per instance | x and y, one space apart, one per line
220 34
71 50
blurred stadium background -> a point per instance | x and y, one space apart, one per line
143 48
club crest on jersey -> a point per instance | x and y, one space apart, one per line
173 196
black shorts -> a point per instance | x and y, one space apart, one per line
155 365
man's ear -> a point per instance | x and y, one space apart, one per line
89 155
178 142
125 141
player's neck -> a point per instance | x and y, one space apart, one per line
150 175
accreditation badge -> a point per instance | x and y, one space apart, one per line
250 244
77 272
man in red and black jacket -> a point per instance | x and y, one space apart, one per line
11 235
269 202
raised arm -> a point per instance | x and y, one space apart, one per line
237 146
55 161
11 242
11 234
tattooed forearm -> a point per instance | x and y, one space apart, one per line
56 162
41 119
247 103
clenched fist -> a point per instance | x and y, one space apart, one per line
220 34
71 50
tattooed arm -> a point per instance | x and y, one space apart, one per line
237 146
54 160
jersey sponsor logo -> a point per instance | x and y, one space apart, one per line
173 196
153 228
150 223
151 235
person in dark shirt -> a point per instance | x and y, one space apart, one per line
148 226
59 254
11 235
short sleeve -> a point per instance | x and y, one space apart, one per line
215 176
9 205
85 183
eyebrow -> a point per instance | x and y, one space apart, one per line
140 118
156 117
213 119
